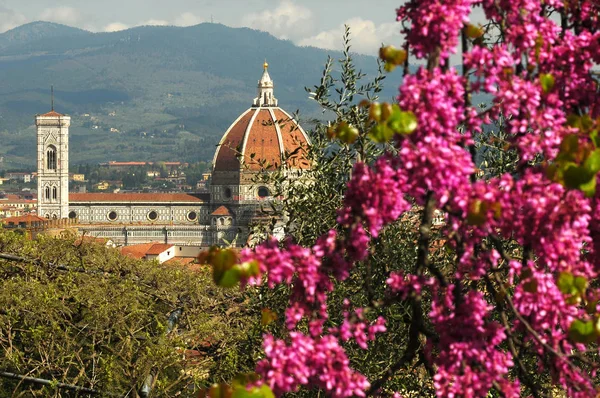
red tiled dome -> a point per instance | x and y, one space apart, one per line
269 133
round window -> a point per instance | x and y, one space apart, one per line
192 216
72 215
263 192
112 216
227 193
152 215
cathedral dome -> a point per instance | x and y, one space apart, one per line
263 135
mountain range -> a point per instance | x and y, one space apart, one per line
147 93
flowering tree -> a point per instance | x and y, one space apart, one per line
517 294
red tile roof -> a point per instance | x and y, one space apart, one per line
158 248
52 114
292 138
29 218
133 197
272 130
179 261
263 142
137 251
226 157
221 211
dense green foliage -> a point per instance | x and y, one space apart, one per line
82 314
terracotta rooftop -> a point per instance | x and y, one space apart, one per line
137 251
180 261
158 248
28 219
221 211
52 114
133 197
261 134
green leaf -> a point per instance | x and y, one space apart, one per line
581 284
592 163
381 133
403 122
473 32
565 282
595 137
583 332
230 278
569 146
256 392
586 122
547 82
574 120
589 187
575 176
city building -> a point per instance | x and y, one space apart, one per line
259 141
53 164
24 177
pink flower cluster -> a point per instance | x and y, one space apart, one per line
319 362
407 285
550 219
298 267
374 198
444 94
538 76
541 303
354 327
470 359
434 24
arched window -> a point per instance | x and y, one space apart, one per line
54 193
48 193
51 158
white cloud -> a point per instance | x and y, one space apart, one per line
10 19
187 19
287 21
115 27
65 15
155 22
366 36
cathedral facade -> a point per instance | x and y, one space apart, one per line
263 135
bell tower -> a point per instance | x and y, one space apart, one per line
53 164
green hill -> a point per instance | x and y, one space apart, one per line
170 91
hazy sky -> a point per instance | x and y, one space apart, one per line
306 22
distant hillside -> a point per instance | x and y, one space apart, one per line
170 92
34 31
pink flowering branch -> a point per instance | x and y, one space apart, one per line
478 315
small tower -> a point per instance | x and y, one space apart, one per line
53 164
265 90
